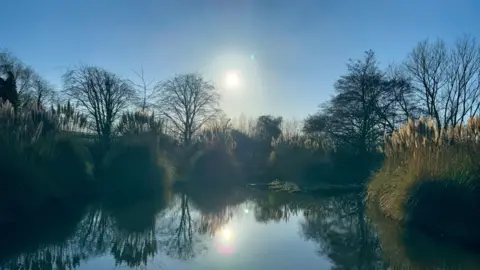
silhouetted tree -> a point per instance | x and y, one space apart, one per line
357 115
462 97
447 81
188 102
268 127
42 91
20 74
405 104
427 65
102 94
8 89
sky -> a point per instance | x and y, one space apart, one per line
287 54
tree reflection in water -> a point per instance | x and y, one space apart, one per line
343 233
336 223
176 231
134 235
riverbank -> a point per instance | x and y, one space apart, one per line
430 180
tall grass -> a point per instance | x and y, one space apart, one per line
39 164
431 177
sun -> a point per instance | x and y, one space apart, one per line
232 80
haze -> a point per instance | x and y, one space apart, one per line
289 52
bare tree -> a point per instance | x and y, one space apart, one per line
188 102
462 92
42 91
101 94
145 91
447 80
427 66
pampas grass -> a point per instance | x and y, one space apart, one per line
430 177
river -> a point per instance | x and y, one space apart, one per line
238 229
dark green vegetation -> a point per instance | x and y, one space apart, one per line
113 141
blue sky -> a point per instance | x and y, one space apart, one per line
300 47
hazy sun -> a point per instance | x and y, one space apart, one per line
232 80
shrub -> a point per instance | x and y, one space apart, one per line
430 178
135 167
214 163
300 159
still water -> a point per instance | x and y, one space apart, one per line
239 229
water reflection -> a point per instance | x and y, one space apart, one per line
343 233
195 224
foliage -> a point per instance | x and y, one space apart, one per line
357 115
300 159
268 127
135 167
214 163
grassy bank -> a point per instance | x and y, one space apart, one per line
41 167
47 169
431 179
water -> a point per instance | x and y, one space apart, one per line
233 230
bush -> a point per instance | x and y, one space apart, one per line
430 178
300 159
135 167
214 163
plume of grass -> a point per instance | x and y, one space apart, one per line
135 123
39 163
422 164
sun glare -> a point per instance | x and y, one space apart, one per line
232 80
227 234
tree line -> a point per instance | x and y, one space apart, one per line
435 80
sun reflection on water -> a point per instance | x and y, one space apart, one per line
225 241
